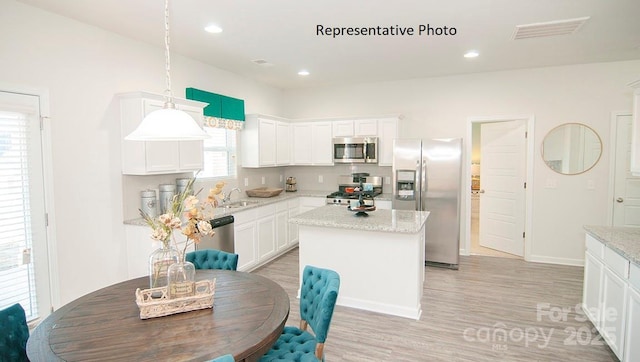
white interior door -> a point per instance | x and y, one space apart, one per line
626 193
502 193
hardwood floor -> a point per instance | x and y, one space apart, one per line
491 309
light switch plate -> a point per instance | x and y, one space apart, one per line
263 180
387 180
551 183
246 181
320 179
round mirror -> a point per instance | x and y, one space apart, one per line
571 148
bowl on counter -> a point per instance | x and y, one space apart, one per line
264 192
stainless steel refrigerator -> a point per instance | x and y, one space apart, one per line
426 176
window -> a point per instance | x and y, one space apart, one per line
22 213
219 153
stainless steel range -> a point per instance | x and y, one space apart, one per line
346 184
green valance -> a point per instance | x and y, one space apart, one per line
222 111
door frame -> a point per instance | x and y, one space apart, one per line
612 164
47 169
530 143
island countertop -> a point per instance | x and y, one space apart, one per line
624 240
332 216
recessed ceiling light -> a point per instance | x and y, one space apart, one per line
471 54
212 28
303 72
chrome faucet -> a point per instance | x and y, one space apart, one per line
227 197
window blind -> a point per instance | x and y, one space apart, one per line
17 280
219 153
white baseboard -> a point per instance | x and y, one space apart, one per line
555 260
400 311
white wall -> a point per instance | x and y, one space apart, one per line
440 107
83 67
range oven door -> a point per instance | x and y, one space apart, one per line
355 150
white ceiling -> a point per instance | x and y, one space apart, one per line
283 32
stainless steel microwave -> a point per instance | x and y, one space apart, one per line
355 150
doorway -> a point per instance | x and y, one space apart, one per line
499 202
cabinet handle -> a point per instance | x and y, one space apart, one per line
619 199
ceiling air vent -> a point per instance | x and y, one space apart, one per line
262 62
551 28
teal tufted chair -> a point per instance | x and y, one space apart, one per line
213 259
318 297
14 334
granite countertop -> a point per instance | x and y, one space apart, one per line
259 201
332 216
624 240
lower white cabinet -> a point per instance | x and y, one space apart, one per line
632 350
292 233
310 203
605 297
266 227
245 239
613 315
592 287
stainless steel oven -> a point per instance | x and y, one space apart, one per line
355 150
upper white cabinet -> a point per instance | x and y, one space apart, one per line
157 157
265 141
355 128
311 143
635 137
365 127
387 132
343 129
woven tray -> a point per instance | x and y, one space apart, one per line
264 192
152 307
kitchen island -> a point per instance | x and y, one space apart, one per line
380 257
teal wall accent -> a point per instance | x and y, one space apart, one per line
219 106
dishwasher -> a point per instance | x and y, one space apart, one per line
223 238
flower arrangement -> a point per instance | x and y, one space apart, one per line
189 215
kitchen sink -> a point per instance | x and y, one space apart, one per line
237 204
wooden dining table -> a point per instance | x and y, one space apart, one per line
248 315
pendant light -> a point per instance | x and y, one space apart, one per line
168 123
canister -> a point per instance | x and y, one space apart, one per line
148 202
181 184
167 192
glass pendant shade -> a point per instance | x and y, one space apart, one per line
167 124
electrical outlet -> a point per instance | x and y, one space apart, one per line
281 178
263 180
591 185
387 180
246 181
320 179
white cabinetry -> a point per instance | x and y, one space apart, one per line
265 141
245 239
266 227
387 132
355 128
157 157
312 143
342 128
605 293
365 127
310 203
632 350
282 227
294 209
